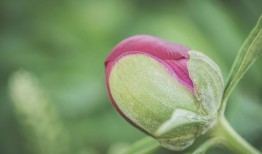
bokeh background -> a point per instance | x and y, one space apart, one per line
53 98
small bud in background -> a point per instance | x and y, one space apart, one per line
166 90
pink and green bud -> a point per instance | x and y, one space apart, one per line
166 90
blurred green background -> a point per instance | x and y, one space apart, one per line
53 96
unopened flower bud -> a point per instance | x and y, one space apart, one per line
166 90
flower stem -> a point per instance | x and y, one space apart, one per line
202 149
232 140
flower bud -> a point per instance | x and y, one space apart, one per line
166 90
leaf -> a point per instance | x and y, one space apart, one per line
187 125
250 51
144 146
180 117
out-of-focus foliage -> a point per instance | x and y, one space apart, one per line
59 104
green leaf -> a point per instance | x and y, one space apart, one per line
180 117
181 130
250 51
144 146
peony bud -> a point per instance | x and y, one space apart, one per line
168 91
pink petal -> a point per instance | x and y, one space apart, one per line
151 45
180 68
175 55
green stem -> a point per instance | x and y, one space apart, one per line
221 111
145 145
202 149
232 140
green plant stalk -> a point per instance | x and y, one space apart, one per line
145 145
203 148
250 51
231 139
